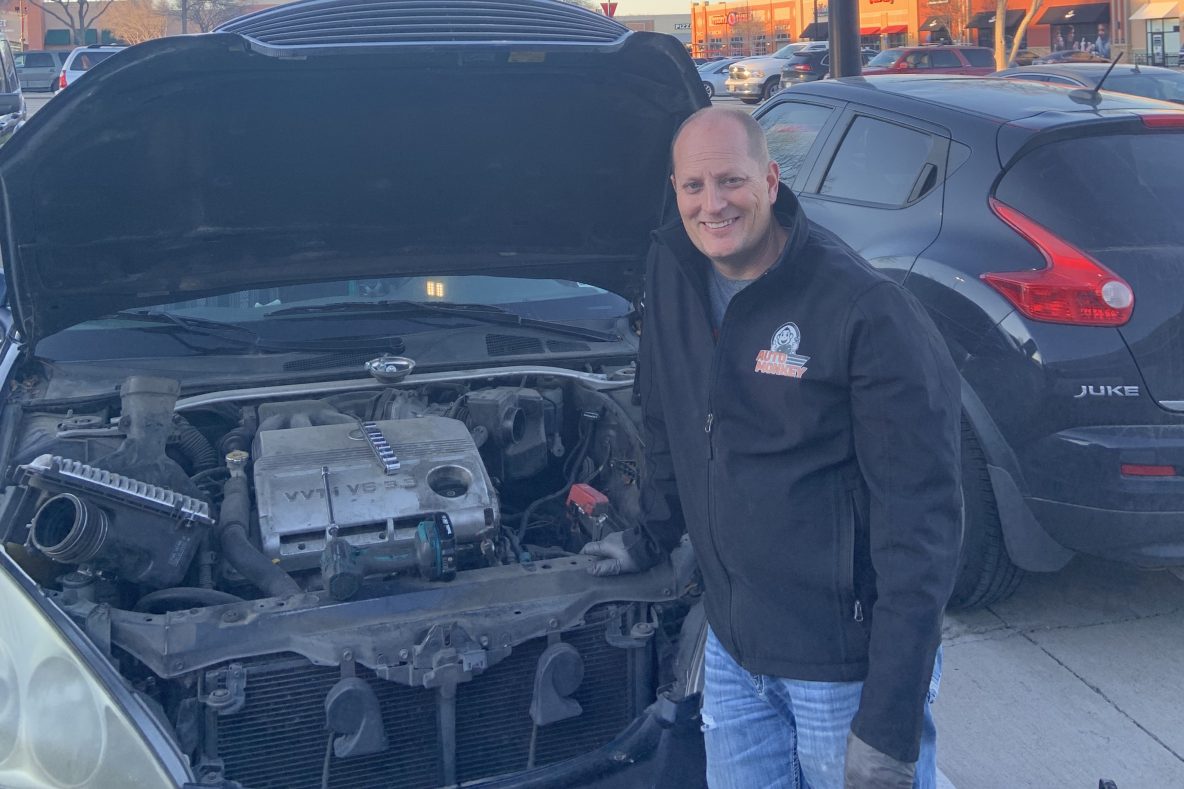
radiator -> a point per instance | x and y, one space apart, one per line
278 740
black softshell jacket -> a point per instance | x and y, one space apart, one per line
811 451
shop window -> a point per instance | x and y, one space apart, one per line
895 40
57 38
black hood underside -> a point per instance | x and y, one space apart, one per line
192 166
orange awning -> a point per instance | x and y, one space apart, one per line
894 29
868 31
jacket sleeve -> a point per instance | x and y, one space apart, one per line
906 412
661 510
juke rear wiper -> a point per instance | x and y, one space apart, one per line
483 313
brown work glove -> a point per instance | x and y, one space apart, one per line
867 768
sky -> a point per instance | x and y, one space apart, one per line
643 7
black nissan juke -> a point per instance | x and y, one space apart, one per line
1041 228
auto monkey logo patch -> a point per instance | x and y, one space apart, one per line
782 357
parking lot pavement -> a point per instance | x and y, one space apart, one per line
1078 677
35 101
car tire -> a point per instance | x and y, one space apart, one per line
986 574
751 101
771 87
710 91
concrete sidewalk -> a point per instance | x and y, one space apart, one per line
1078 677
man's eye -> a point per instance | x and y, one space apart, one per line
734 181
692 187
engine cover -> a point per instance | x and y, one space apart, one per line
308 477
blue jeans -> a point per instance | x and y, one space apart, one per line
765 732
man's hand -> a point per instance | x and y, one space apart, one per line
867 768
620 553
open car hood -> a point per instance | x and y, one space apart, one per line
529 139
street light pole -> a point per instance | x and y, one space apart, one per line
843 17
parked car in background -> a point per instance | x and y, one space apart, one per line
754 79
714 73
1024 57
940 59
12 99
40 69
1044 236
82 60
187 251
809 66
1151 82
1069 56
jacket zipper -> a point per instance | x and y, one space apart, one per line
857 605
708 424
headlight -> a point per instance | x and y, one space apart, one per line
59 725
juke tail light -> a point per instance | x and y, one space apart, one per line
1072 288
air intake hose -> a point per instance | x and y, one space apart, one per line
237 549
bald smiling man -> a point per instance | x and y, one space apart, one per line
801 417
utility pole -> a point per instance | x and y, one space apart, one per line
844 38
184 17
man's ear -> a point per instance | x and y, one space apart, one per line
773 177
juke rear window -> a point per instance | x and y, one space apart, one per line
1102 192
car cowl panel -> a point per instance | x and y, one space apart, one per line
202 164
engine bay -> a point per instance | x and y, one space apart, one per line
421 532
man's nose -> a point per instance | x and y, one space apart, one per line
713 198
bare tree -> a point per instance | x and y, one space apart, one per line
77 15
1023 28
137 21
1000 33
750 30
208 14
1004 56
954 17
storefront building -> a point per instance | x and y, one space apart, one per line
1155 33
722 29
1147 31
677 25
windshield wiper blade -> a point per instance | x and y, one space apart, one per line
243 337
225 331
483 313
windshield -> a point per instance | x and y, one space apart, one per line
885 58
1168 87
364 312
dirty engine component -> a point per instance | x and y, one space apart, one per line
373 482
86 515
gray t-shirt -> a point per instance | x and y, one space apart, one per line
722 290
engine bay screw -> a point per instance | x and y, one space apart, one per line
219 694
552 623
347 655
404 654
665 592
178 665
231 616
483 641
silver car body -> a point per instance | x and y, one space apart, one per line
81 60
40 69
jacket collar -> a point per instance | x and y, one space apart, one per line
786 210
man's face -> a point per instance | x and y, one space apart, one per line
725 197
1102 31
